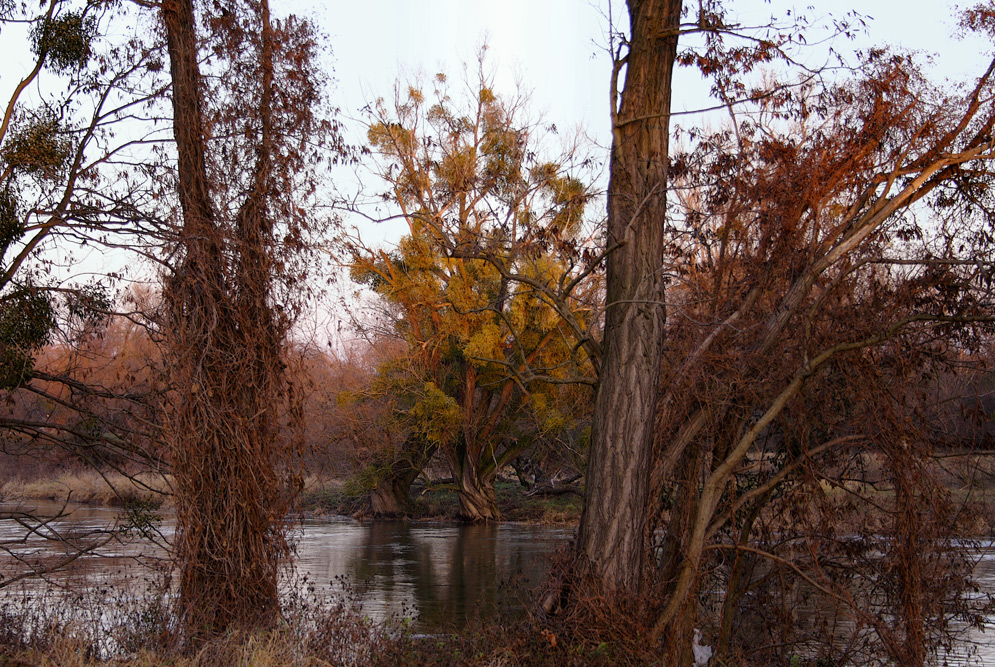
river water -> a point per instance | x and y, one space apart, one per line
442 575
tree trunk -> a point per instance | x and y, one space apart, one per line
739 583
477 498
610 540
391 497
910 540
225 348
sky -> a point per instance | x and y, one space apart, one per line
558 49
555 48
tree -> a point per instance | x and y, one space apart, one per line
67 183
390 430
62 177
243 178
829 246
806 223
487 284
610 538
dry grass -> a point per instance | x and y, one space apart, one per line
87 629
316 483
90 487
264 650
364 646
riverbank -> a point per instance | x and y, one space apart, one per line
414 566
89 487
143 634
324 497
321 496
969 480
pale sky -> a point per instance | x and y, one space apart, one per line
555 48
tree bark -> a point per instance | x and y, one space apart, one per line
225 346
391 497
477 498
610 540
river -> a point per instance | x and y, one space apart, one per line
441 575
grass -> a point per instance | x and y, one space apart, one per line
516 506
321 495
85 629
111 489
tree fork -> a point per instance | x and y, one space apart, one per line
225 342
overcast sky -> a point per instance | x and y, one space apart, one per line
556 47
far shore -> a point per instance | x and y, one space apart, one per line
324 496
321 496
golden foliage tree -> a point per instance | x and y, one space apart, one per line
487 286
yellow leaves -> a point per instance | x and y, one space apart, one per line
528 311
419 254
391 138
37 145
437 416
545 172
469 178
347 398
486 344
545 409
570 196
504 158
379 135
567 194
438 114
457 171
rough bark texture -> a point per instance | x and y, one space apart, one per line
610 541
391 497
477 498
224 342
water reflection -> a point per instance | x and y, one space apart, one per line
445 575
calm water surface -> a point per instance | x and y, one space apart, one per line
446 574
443 575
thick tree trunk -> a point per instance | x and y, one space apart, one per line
391 497
610 541
477 498
227 371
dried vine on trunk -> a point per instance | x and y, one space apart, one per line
225 340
